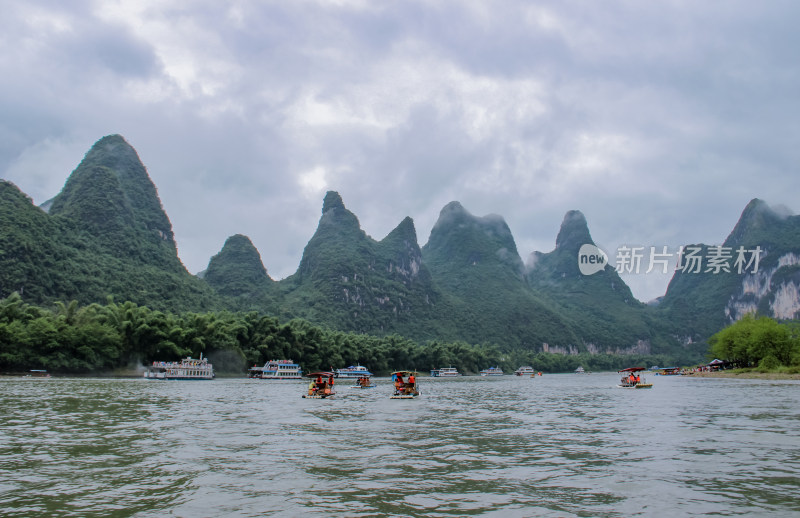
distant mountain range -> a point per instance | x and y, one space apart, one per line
106 235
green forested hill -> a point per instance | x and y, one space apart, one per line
349 281
475 262
600 307
30 259
237 269
110 198
105 235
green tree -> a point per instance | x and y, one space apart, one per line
755 341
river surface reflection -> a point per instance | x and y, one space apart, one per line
556 445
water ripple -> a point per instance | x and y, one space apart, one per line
562 445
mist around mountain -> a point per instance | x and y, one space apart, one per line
106 235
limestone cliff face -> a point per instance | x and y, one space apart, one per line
401 252
786 302
774 291
773 286
640 347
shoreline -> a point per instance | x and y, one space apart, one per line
746 375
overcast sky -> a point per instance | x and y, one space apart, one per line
658 120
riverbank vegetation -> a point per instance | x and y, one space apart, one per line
759 344
69 338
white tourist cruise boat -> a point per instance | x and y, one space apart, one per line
525 371
353 371
277 370
492 371
186 369
445 372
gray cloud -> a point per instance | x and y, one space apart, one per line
658 121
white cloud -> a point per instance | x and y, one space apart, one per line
313 182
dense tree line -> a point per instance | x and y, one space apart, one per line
758 342
96 338
99 338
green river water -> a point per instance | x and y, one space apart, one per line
556 445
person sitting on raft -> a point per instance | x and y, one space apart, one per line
398 384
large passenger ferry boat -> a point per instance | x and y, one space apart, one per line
353 371
186 369
276 370
445 372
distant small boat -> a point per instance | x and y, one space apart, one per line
525 371
38 373
445 372
492 371
580 370
364 382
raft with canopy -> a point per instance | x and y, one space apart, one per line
320 386
402 388
631 380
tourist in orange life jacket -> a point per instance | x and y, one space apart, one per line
410 385
398 383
